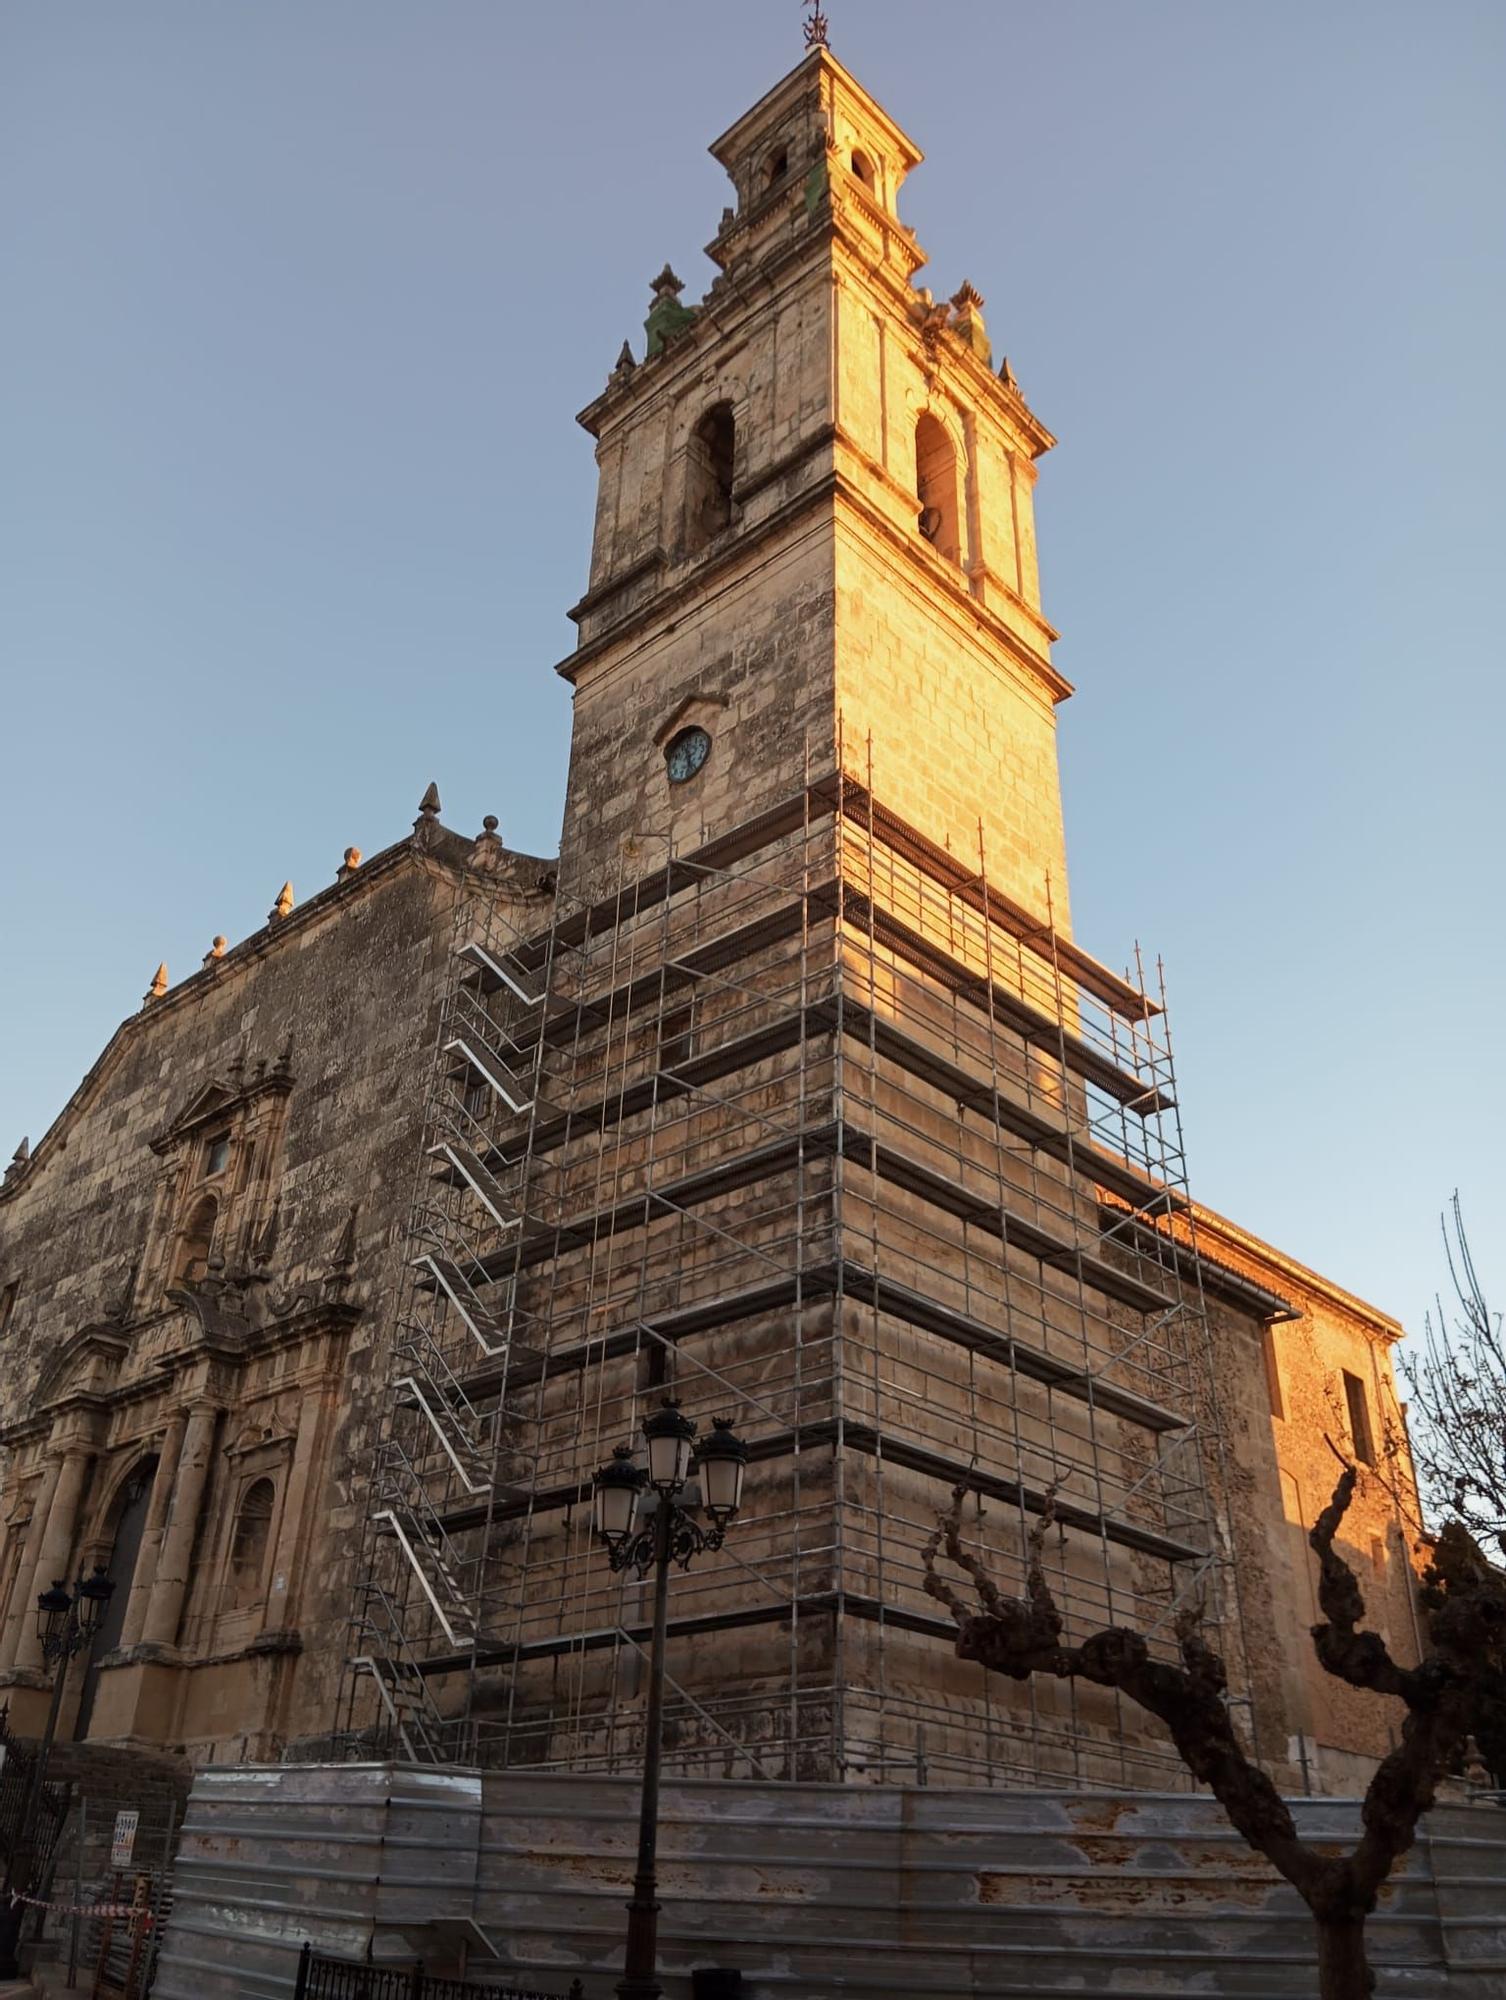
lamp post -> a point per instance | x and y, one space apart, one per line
670 1535
66 1626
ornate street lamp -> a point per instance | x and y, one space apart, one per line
66 1626
623 1489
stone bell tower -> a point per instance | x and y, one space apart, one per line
805 1108
814 520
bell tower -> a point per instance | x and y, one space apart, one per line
814 527
805 1109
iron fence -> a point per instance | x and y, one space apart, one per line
18 1760
321 1978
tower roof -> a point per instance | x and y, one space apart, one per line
821 75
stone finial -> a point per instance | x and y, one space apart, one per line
488 851
283 907
729 216
428 805
158 986
19 1162
666 316
216 951
626 365
349 865
967 320
1006 375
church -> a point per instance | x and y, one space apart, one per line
784 1091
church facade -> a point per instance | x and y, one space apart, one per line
786 1092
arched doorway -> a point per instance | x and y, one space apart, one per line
132 1504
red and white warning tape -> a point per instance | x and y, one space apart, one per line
84 1909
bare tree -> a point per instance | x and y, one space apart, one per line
1459 1689
1458 1386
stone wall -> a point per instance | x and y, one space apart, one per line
206 1249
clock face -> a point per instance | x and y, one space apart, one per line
686 753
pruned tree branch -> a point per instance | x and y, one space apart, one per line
1343 1648
1461 1687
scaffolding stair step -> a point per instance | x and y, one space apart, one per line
488 1330
502 970
474 1053
471 1463
409 1709
458 1163
436 1579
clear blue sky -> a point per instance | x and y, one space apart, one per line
300 301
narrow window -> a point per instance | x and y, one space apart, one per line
216 1154
710 460
1359 1418
862 166
196 1242
1272 1372
248 1551
776 167
936 487
8 1305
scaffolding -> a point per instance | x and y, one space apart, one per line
813 1127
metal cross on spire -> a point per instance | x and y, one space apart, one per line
816 36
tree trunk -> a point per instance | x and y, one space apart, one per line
1343 1969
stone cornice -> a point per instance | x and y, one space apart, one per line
939 573
231 1348
722 555
1211 1226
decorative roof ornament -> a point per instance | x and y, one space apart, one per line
19 1163
625 363
158 986
666 316
817 35
967 324
216 951
283 907
428 805
349 865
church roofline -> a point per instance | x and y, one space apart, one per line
428 842
1209 1223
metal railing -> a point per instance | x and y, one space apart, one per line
321 1978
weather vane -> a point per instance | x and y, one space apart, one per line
816 27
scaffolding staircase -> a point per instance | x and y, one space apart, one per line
816 1069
